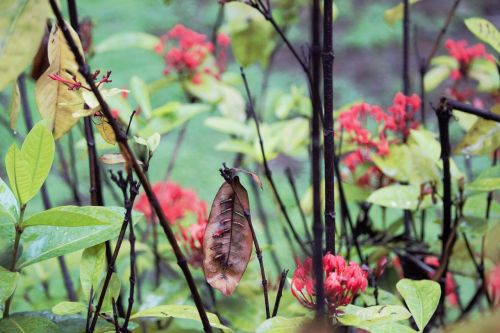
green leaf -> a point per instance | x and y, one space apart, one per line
20 324
391 328
477 226
72 216
435 76
396 196
19 175
484 185
112 292
373 315
91 267
128 40
227 126
421 297
485 72
482 138
281 325
397 164
69 308
485 31
395 14
9 208
42 242
180 312
22 25
8 282
139 89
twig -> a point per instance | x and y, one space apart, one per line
72 163
293 186
175 153
115 316
316 157
267 170
132 161
284 273
328 123
467 108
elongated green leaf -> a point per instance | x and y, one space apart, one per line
72 216
396 196
91 266
281 325
484 185
38 151
227 125
69 308
485 31
27 325
8 282
127 40
421 297
180 312
139 89
19 174
22 24
373 315
435 76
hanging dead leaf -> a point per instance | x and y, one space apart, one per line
55 102
228 242
254 176
106 131
41 59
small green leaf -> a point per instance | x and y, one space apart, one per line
91 267
421 297
396 196
9 208
484 185
128 40
227 126
72 216
397 164
485 72
69 308
281 325
8 282
18 324
180 312
485 31
435 76
19 174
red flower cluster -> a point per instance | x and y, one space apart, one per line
191 53
493 283
464 54
450 285
398 119
342 282
176 203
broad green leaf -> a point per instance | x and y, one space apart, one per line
232 104
69 308
396 196
19 173
14 106
476 226
435 76
91 267
482 138
485 72
444 60
465 120
113 292
55 102
127 40
153 142
373 315
18 324
484 185
139 89
281 325
395 14
485 31
390 328
72 216
38 151
179 312
421 297
8 282
237 146
397 164
22 23
208 90
42 242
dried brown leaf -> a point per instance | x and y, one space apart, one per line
228 239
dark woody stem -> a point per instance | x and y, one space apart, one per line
280 292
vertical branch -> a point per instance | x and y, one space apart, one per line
406 47
316 157
328 123
284 273
291 181
267 170
132 161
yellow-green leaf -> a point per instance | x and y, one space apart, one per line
55 102
106 132
14 106
22 25
395 14
18 172
485 31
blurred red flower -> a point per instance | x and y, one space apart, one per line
450 285
493 284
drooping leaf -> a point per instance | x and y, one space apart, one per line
485 31
421 297
180 312
397 164
69 308
395 14
91 266
55 102
18 324
396 196
281 325
72 216
127 40
8 282
14 106
227 243
112 158
22 25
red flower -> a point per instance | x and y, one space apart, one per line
464 54
493 284
342 282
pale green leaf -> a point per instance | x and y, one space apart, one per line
485 31
72 216
484 185
435 76
91 267
128 40
395 14
28 324
8 282
19 173
421 297
69 308
14 106
396 196
373 315
281 325
485 72
397 164
140 91
228 126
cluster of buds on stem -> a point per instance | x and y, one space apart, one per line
74 84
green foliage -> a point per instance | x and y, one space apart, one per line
395 14
396 196
92 264
8 282
373 316
28 324
128 40
73 216
281 325
485 31
69 308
